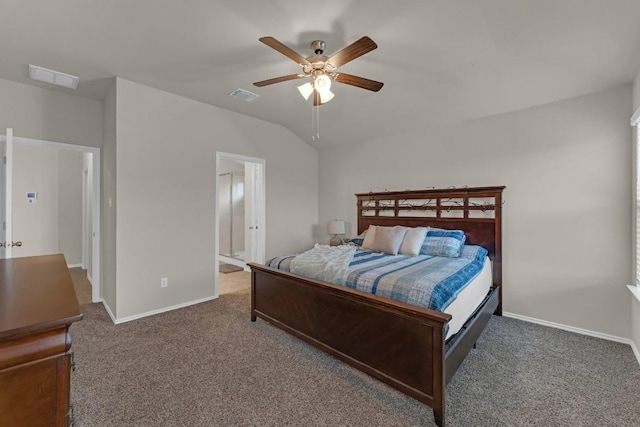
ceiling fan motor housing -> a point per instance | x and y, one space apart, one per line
318 46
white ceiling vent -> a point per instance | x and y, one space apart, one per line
245 95
53 77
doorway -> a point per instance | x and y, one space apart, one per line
240 212
231 203
36 194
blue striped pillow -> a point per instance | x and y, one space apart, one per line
476 253
357 241
447 243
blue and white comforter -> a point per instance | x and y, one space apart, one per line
427 281
324 263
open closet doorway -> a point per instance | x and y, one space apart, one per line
240 212
51 203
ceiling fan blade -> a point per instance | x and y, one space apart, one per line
358 81
353 51
286 51
278 80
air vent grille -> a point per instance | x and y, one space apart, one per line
244 95
53 77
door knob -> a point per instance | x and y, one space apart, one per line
10 244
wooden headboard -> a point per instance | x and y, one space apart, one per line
476 210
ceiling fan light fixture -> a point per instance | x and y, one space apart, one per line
322 83
325 96
306 90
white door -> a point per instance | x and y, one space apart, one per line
254 209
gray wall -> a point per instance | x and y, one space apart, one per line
35 225
165 209
54 223
635 304
43 114
70 170
567 217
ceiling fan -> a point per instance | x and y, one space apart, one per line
322 69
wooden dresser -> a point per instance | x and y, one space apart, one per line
38 304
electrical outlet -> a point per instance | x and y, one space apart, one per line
164 282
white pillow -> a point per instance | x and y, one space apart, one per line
413 241
388 239
367 243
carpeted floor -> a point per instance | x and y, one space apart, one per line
209 365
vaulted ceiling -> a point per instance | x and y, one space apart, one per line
442 61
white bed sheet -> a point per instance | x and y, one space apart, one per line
469 299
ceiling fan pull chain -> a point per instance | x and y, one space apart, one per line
313 124
318 122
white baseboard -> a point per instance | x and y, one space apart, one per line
635 351
577 331
74 265
151 313
233 261
109 312
90 279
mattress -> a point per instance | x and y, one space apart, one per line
469 299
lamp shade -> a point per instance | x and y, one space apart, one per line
306 90
322 83
326 96
336 227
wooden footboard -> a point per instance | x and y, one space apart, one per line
397 343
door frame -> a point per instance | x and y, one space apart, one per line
261 211
96 290
86 232
8 192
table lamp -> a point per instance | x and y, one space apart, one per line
336 227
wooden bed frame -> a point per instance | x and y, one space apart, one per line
397 343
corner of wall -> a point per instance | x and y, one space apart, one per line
108 291
636 92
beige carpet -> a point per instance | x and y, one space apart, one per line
209 365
